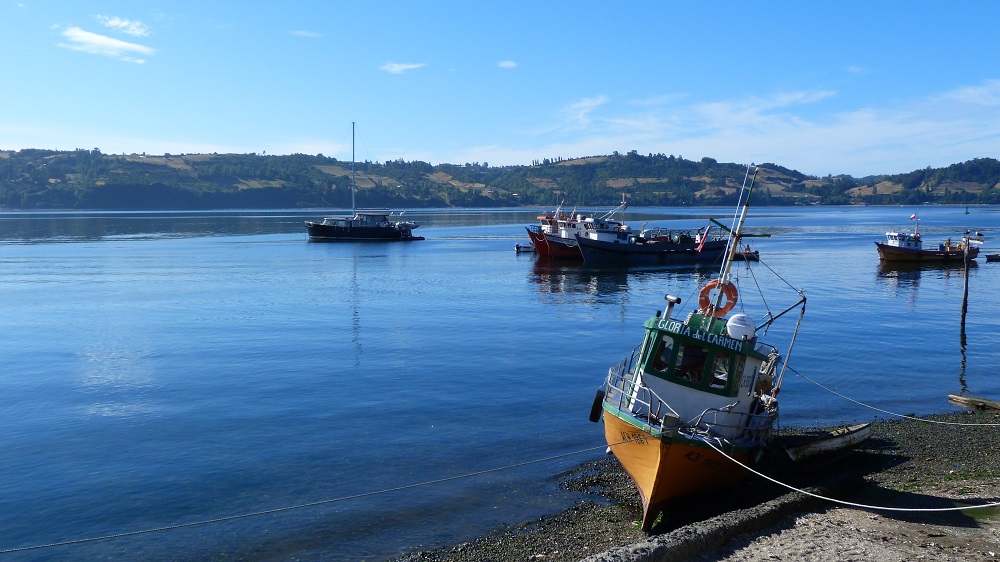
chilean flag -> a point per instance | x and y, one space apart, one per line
913 217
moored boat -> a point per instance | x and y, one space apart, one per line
903 246
555 235
697 394
657 246
361 224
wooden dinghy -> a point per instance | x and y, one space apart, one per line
828 447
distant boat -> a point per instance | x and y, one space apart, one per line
902 246
698 392
656 245
555 235
361 224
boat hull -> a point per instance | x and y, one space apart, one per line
335 233
664 467
897 254
561 248
537 237
656 252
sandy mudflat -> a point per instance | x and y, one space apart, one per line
906 464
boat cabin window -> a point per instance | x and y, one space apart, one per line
661 357
722 367
691 362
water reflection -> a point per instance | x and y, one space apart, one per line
569 277
907 275
577 277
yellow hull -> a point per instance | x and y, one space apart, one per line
668 467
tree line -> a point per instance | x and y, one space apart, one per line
90 179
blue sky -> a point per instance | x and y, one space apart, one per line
821 87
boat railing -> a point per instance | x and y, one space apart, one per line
665 235
736 426
623 391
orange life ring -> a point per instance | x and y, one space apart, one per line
705 301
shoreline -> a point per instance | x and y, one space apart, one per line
906 463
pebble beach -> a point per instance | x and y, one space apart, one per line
911 466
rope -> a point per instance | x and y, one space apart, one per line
299 506
847 503
904 416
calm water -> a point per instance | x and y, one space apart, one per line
169 368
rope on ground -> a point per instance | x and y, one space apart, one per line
847 503
904 416
294 507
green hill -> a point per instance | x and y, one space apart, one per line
89 179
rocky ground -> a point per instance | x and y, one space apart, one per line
906 464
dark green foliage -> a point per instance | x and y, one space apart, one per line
89 179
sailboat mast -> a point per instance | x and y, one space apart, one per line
353 208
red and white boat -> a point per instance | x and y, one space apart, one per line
555 237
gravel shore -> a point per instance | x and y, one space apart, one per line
906 464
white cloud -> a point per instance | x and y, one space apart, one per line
507 64
95 44
399 68
987 94
128 27
307 34
577 115
796 129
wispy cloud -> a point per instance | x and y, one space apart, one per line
307 34
797 129
987 94
399 68
96 44
128 27
507 64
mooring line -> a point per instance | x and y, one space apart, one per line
843 502
299 506
904 416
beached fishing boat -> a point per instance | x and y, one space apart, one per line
698 392
361 224
902 246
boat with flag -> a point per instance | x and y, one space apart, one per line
654 246
903 246
699 394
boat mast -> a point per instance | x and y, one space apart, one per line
353 209
734 240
